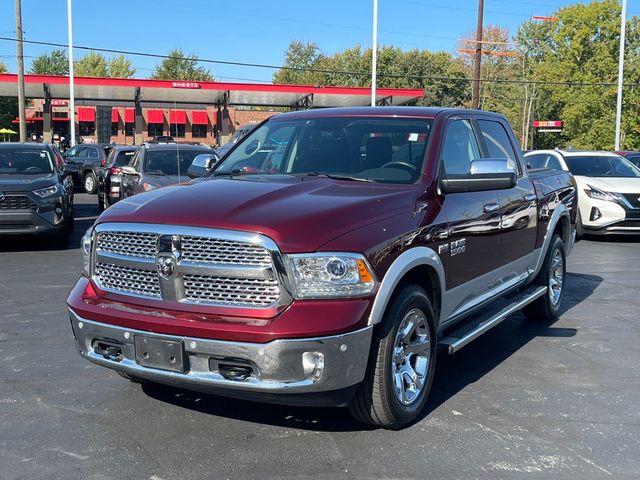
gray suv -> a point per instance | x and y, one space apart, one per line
158 165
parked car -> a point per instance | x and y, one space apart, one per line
633 157
323 269
608 188
90 158
158 165
238 135
36 191
109 177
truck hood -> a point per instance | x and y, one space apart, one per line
299 213
611 184
25 183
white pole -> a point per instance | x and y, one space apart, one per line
374 53
623 29
72 100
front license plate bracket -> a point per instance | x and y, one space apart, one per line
161 354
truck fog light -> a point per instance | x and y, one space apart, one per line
313 364
595 214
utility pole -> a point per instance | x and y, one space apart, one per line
623 30
20 55
475 96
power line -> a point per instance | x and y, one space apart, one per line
325 71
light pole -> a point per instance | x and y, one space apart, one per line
623 30
21 97
374 54
72 100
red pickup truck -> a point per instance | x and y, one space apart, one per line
326 258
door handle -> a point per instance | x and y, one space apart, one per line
491 207
530 197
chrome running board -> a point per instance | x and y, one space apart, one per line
454 342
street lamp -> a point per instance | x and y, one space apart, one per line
623 30
72 100
374 53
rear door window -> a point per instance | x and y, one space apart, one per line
496 140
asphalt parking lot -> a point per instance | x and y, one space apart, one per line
527 399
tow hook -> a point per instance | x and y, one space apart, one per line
110 351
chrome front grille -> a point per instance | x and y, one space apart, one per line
187 265
128 280
17 202
132 244
215 250
248 292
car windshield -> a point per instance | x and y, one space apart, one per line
25 161
380 149
123 158
169 161
601 166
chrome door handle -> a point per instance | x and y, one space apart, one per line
491 208
530 197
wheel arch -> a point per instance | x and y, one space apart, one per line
559 223
421 266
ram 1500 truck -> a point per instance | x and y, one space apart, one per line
326 258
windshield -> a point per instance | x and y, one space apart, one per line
169 162
601 166
378 149
21 161
123 158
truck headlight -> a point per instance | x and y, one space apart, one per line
85 247
46 191
331 275
598 194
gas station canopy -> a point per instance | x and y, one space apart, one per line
210 93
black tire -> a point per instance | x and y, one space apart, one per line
61 238
101 203
579 227
376 401
90 183
71 220
547 307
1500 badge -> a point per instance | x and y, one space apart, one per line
455 248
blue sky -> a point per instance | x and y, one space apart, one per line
255 31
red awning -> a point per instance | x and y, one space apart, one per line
86 114
115 115
199 118
129 115
155 116
177 117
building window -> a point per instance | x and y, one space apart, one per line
114 128
155 129
177 130
199 131
87 128
128 129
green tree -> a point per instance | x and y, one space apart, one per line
301 55
181 67
54 63
93 64
8 106
121 67
3 67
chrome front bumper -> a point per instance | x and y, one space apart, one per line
337 362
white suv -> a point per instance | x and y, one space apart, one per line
608 188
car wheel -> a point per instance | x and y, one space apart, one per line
552 275
90 183
401 362
101 203
71 220
579 227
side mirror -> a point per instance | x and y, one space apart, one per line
129 170
70 169
201 164
484 174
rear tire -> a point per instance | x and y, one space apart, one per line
401 362
90 183
579 228
552 275
101 204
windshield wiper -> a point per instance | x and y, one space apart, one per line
339 177
230 173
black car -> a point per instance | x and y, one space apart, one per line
109 177
90 158
158 165
36 191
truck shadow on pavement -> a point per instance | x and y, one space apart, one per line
453 374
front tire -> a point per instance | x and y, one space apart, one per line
401 362
90 183
552 275
101 203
